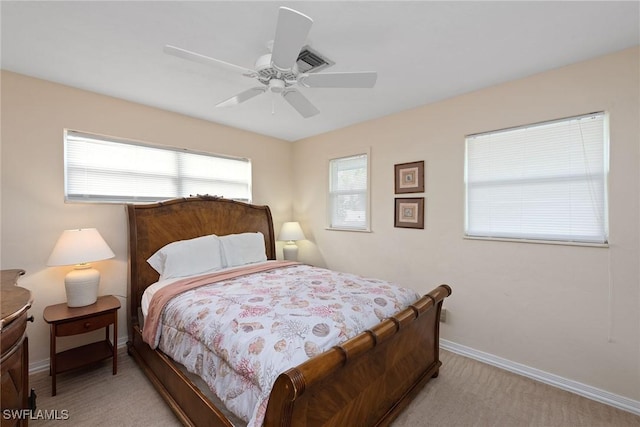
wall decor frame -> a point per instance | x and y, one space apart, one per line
409 212
409 177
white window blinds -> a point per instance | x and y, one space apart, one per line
546 181
348 193
100 169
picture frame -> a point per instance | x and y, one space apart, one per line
409 177
409 212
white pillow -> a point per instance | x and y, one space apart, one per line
157 261
188 257
242 249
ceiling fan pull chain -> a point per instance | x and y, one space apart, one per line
273 103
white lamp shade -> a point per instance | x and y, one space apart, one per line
291 231
78 247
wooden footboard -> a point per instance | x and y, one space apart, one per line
367 380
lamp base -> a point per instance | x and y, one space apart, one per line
81 286
290 252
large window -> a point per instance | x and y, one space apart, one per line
102 169
546 181
349 192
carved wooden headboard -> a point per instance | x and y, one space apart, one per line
153 225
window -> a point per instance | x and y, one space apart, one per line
349 193
546 181
102 169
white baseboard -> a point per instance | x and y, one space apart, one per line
584 390
39 366
43 365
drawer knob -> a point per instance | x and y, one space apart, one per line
87 324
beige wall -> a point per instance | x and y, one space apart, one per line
570 311
34 114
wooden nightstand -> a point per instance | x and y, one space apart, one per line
65 321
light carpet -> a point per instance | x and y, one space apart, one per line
466 393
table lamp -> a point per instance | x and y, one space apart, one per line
79 247
290 232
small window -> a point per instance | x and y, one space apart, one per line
546 181
349 193
104 169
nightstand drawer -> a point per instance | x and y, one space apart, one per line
85 325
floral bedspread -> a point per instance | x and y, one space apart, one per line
238 335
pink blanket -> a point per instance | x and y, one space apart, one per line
150 333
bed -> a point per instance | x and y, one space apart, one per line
367 380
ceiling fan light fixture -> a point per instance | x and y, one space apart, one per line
276 85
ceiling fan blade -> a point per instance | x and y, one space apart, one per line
192 56
291 33
358 79
300 103
242 96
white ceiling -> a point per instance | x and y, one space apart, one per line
423 51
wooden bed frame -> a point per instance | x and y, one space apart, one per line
365 381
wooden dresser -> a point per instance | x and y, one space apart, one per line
14 365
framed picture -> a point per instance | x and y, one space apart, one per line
409 177
409 212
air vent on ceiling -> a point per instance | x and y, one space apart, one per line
310 61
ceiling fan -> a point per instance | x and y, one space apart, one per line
277 72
